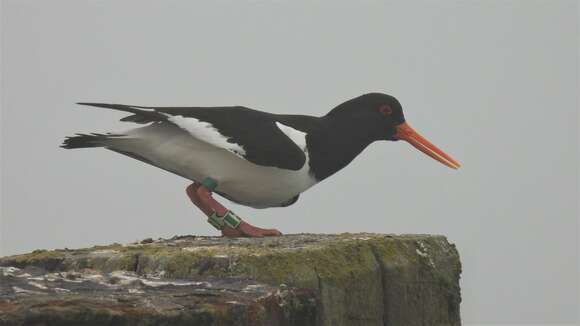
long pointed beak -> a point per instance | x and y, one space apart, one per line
406 133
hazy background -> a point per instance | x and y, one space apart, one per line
493 83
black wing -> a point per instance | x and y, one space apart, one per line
256 131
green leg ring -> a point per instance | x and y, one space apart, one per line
229 219
209 183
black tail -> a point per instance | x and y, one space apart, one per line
85 141
141 114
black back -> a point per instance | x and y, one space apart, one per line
265 144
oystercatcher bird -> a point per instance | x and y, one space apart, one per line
255 158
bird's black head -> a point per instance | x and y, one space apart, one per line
378 116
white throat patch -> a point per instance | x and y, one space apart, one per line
297 136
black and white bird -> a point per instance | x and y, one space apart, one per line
255 158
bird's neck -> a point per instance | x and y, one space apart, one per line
333 145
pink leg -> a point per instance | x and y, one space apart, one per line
202 198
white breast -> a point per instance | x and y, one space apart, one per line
174 149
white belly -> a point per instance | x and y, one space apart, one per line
175 150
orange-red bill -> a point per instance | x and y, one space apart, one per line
406 133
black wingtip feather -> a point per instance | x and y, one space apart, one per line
141 114
135 118
113 106
100 105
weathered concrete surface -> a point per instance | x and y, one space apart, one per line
304 279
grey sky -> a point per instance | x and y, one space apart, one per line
493 83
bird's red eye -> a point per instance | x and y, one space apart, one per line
385 109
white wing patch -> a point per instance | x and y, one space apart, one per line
206 132
297 136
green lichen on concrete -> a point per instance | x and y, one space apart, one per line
301 267
49 259
353 279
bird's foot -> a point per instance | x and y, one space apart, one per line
247 230
220 217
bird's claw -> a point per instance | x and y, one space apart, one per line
250 231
